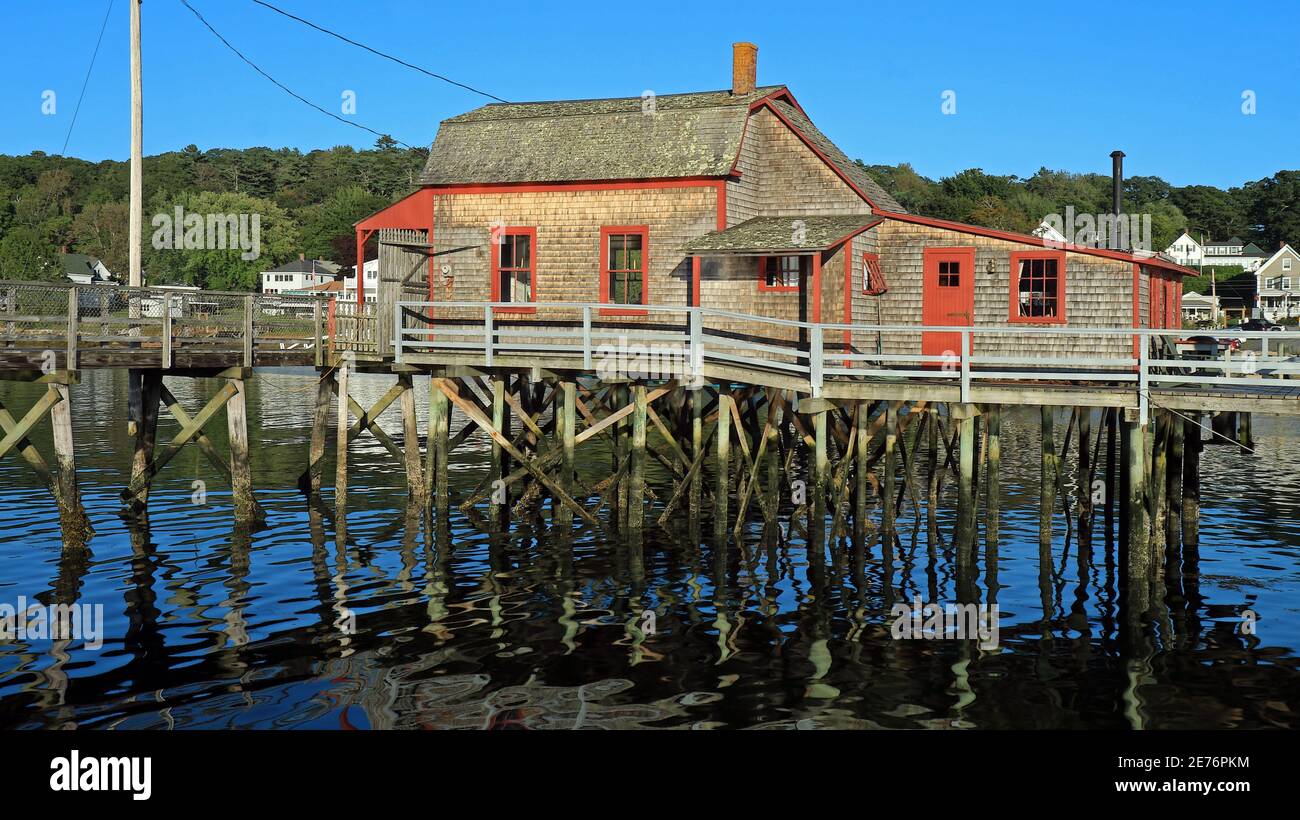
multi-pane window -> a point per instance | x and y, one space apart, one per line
950 274
1038 288
625 268
781 272
515 267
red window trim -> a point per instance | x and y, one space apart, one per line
1013 297
495 280
764 287
603 274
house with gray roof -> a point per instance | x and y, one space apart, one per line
731 199
82 269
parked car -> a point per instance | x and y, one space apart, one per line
1257 324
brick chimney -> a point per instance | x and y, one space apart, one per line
302 257
744 67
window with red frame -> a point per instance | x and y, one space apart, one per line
515 277
1038 288
623 277
780 272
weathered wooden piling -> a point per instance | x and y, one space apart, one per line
325 386
696 490
438 449
241 474
567 419
1085 471
1191 512
1157 491
1138 535
636 482
966 476
411 440
721 490
1046 477
64 447
861 472
500 466
1245 435
821 475
1174 482
891 467
993 472
341 441
150 386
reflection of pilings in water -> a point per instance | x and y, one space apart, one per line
51 684
1174 480
1158 492
143 639
237 586
339 580
1046 482
1192 446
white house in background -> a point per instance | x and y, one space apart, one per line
1234 252
1277 285
1199 307
1190 253
1185 251
85 270
371 271
299 274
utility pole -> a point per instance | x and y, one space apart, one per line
135 398
137 149
1214 294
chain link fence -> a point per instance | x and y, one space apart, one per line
155 324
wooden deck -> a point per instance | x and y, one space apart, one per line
814 359
46 327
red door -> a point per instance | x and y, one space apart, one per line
948 299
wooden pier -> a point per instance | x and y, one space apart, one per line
783 430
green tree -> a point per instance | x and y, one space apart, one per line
210 267
25 256
326 222
102 229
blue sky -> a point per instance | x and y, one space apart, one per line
1059 85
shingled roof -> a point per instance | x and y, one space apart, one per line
856 173
781 234
688 135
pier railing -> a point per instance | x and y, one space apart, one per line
65 325
681 341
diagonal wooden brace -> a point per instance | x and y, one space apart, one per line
16 434
470 410
25 448
204 443
178 441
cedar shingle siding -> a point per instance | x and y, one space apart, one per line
677 158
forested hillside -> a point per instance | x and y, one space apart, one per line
1266 211
307 203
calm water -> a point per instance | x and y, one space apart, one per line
205 627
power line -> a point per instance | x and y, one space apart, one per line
86 81
281 85
397 60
